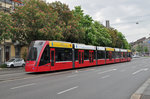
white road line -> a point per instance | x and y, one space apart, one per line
107 71
144 69
91 69
72 75
105 76
23 86
67 90
86 70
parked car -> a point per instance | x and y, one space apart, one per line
15 62
136 56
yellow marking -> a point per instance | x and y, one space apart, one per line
129 50
110 49
60 44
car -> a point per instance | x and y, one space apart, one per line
136 56
15 62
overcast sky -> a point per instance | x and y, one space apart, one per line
123 14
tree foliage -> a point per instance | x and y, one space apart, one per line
139 48
37 20
5 26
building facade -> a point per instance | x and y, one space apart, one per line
8 48
9 5
143 43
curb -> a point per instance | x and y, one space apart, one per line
139 93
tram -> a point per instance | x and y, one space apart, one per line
57 55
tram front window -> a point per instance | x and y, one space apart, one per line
34 50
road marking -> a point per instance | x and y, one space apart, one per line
23 86
144 69
107 71
67 90
35 76
91 69
11 74
86 70
72 75
105 76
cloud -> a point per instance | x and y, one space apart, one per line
123 14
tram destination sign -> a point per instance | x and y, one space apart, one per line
60 44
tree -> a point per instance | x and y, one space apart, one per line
35 21
85 23
145 49
118 39
5 26
102 37
139 48
68 22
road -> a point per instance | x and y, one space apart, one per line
115 81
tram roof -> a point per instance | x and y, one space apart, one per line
101 48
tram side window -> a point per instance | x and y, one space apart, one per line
86 55
124 54
100 54
63 54
45 56
117 54
129 54
94 55
76 55
113 55
107 55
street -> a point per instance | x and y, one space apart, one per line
114 81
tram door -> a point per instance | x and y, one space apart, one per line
52 56
81 56
91 56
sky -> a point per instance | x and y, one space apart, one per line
131 17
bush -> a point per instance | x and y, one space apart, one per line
3 66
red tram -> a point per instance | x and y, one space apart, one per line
57 55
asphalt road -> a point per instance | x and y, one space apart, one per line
115 81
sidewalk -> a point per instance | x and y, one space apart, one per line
143 92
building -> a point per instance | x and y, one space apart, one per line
9 5
10 49
143 43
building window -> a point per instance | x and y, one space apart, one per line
17 51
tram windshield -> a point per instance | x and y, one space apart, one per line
34 50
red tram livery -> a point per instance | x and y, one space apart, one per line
57 55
